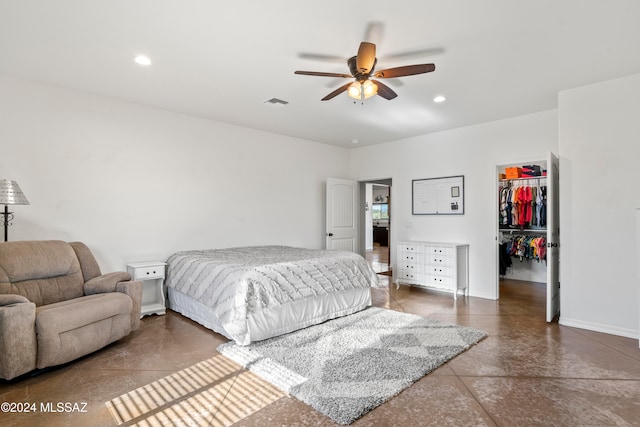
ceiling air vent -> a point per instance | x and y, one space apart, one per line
276 102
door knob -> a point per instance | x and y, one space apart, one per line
329 234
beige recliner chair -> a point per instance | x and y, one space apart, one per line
56 306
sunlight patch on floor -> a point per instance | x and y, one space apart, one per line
214 392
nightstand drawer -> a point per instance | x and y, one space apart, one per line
147 272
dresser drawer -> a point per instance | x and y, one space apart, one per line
410 276
439 250
439 270
408 248
411 257
412 267
440 260
439 282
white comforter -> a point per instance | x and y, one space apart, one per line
239 282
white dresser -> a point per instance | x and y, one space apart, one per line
443 266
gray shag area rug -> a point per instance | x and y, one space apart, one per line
345 367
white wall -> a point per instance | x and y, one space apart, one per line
600 189
138 183
474 152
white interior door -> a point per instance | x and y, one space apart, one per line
638 255
553 238
341 220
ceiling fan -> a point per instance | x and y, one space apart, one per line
362 68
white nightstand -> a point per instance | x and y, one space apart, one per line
152 275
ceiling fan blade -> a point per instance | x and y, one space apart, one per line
413 53
366 57
336 92
374 32
322 74
322 57
407 70
385 91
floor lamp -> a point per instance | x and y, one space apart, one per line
10 194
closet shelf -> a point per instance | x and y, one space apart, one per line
523 178
523 230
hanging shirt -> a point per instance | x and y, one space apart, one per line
524 205
515 201
509 206
539 206
534 197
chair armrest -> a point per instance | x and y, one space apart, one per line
11 299
18 346
119 281
105 283
133 288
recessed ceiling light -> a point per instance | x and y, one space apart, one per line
354 141
439 98
142 60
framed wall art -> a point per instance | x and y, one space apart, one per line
438 196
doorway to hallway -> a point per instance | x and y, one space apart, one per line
376 220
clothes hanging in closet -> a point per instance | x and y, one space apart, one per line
526 247
523 206
504 259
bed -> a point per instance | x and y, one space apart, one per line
253 293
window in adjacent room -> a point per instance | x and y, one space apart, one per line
380 211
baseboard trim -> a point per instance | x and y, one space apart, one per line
598 327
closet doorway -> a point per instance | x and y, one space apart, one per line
376 218
528 227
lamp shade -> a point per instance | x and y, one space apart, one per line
11 194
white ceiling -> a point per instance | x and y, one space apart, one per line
222 60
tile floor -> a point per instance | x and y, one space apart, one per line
526 373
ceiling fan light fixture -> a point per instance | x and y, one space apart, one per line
354 90
361 67
369 89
